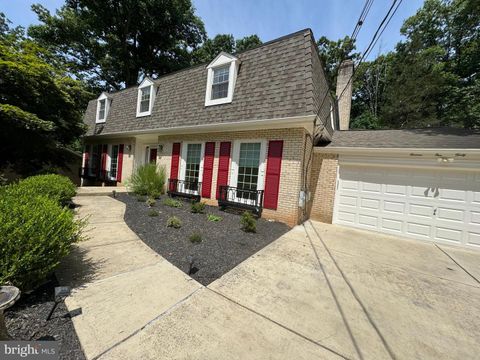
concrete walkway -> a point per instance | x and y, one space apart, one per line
318 292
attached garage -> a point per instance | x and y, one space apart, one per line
426 193
429 204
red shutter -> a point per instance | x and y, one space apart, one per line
272 179
223 165
208 169
120 162
174 164
104 158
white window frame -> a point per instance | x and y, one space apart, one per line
183 163
109 160
144 84
222 60
233 181
103 96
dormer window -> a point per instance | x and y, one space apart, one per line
145 98
102 108
221 77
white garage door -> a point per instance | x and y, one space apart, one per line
436 205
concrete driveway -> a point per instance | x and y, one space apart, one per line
324 291
318 292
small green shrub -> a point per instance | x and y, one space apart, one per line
249 223
152 212
172 203
174 222
141 198
148 180
35 234
198 207
196 237
151 202
57 187
214 218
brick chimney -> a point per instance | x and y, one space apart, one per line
344 85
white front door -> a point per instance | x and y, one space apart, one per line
436 205
191 167
248 170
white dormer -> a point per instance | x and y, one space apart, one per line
221 77
145 97
103 105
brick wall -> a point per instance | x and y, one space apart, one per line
291 174
322 186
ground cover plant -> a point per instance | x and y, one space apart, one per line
198 207
249 223
223 243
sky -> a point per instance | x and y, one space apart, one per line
270 19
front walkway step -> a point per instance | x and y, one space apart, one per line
99 190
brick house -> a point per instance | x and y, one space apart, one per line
259 129
238 129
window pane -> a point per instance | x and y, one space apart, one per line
101 112
220 82
114 161
220 75
145 99
249 162
192 170
219 91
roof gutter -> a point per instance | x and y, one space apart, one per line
275 123
395 151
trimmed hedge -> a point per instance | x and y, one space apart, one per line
56 187
36 232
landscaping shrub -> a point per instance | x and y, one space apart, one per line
174 222
214 218
57 187
35 233
172 203
148 180
153 212
151 202
196 237
198 207
249 223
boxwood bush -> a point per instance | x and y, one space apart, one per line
36 232
148 180
57 187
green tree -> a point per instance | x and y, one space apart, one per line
111 44
435 76
40 105
247 43
224 42
332 53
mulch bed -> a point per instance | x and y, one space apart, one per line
224 244
26 320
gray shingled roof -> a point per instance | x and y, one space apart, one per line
441 138
276 80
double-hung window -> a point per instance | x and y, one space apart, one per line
220 82
145 98
248 167
221 78
192 166
102 108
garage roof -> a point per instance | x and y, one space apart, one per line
438 138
